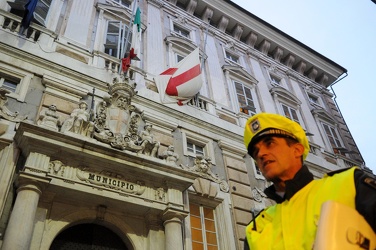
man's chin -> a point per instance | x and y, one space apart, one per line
272 177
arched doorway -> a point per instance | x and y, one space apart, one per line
88 237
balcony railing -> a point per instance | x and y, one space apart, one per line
199 103
12 23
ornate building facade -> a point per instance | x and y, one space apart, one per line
92 157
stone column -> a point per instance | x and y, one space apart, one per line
173 230
21 223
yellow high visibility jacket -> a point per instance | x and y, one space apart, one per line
292 224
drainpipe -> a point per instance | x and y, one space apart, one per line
335 101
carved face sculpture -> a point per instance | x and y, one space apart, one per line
122 102
83 105
57 166
52 107
203 165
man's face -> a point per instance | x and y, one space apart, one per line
276 159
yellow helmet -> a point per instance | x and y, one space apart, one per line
272 124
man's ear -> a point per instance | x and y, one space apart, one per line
298 149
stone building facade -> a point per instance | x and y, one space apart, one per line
92 157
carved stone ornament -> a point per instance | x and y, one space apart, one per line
110 180
49 118
181 19
56 167
230 45
116 120
160 194
5 112
170 156
203 167
258 194
79 121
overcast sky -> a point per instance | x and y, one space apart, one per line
345 32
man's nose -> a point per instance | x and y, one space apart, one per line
261 151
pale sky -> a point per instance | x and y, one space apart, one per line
345 32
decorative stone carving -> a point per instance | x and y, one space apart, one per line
277 54
160 194
258 194
230 44
191 6
181 19
237 31
251 39
148 145
170 156
264 47
207 14
5 112
79 122
222 24
49 118
312 73
301 67
323 79
289 60
117 121
203 167
54 167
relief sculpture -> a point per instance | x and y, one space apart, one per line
5 112
117 121
202 166
79 122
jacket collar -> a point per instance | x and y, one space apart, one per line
300 180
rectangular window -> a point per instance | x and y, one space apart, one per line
275 80
195 149
194 145
179 30
9 83
204 235
15 80
245 99
116 37
290 113
332 136
40 13
179 57
232 57
122 2
313 99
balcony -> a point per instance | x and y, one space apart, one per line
12 23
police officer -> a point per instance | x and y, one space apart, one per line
279 146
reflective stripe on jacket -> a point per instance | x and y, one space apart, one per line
292 224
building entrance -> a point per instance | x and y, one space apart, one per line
88 237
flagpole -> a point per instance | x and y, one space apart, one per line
203 57
128 31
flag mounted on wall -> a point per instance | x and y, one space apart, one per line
181 83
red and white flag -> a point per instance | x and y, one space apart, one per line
181 83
